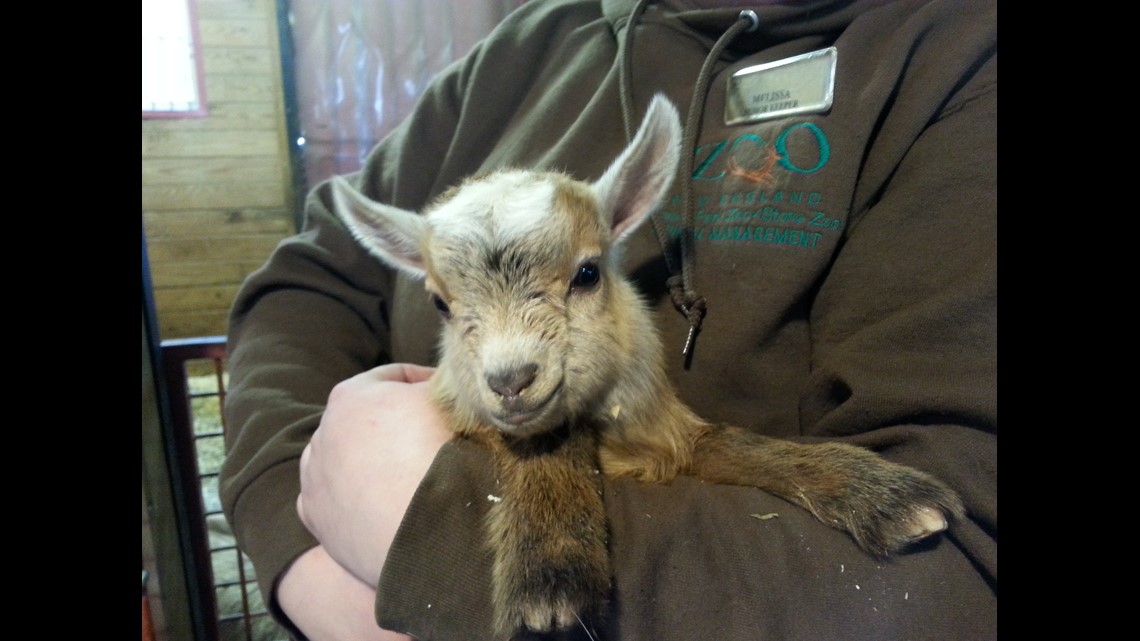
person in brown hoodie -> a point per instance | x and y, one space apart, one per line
839 220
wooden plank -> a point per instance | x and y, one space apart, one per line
182 299
272 119
235 9
227 88
167 142
227 223
189 171
192 324
202 274
189 250
238 60
237 32
260 115
265 114
207 196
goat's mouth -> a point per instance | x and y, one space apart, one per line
520 418
529 419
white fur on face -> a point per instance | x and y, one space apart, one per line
512 205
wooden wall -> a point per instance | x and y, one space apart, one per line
217 191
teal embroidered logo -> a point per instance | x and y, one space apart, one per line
759 212
777 154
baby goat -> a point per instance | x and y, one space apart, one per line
550 359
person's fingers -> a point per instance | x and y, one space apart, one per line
401 372
305 454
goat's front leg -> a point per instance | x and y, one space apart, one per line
548 534
883 505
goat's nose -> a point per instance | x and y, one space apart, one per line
511 383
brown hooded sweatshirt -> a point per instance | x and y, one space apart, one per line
847 253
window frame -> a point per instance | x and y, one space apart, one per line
199 77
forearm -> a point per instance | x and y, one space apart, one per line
435 581
341 609
688 557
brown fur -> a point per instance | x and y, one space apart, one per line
561 377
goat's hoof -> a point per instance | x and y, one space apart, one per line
926 521
919 507
885 506
536 616
548 617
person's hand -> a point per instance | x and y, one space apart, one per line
327 603
377 438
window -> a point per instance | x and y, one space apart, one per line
171 60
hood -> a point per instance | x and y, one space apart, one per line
779 21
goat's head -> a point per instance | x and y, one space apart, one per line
522 265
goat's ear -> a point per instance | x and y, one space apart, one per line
392 234
637 181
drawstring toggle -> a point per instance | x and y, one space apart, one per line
693 308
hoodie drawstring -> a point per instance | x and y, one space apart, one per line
682 291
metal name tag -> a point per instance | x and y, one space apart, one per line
801 84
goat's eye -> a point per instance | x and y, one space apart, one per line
588 275
440 305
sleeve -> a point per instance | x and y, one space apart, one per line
312 316
904 329
904 362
